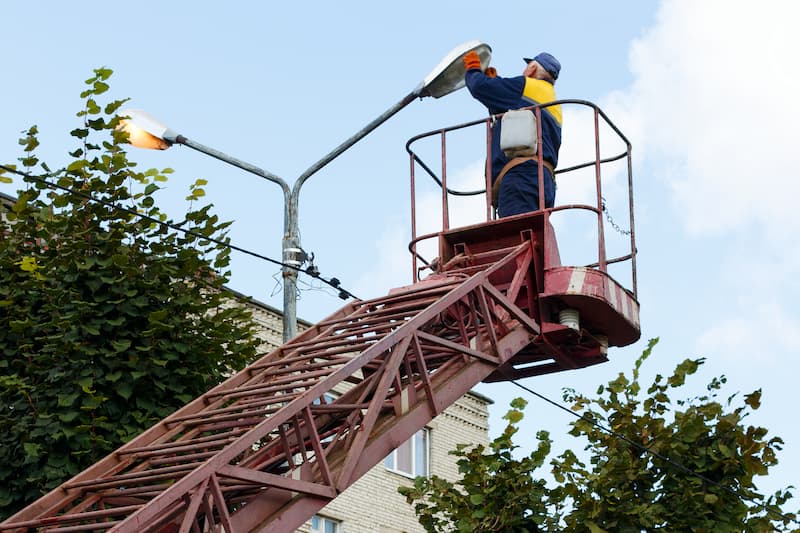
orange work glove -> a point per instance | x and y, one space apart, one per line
491 72
471 60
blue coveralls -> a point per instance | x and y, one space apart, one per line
519 190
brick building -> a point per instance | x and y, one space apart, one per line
372 504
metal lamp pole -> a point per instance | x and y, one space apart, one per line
146 132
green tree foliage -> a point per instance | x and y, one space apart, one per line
628 489
669 465
108 322
496 492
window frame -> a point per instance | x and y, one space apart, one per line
392 457
322 521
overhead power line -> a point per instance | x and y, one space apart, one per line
311 271
640 447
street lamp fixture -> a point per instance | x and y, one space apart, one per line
147 132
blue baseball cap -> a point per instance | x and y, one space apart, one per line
548 62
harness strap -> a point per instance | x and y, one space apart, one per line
511 164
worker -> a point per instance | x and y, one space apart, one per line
518 188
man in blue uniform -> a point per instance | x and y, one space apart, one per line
519 185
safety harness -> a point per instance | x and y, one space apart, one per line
518 141
508 166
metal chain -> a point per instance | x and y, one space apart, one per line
611 220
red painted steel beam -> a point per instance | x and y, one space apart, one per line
256 452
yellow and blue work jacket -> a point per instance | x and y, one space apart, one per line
502 94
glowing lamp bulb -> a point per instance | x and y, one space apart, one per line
140 138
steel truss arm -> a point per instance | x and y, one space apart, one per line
268 448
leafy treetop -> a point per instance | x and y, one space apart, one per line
664 465
108 321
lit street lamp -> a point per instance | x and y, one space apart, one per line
147 132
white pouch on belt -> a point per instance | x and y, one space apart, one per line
518 133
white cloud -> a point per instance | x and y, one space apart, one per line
578 147
462 210
713 114
716 97
764 336
394 266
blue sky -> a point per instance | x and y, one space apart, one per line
706 91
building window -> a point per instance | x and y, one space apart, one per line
411 457
320 524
